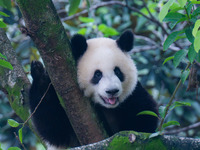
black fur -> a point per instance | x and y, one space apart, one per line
119 74
96 77
51 121
79 46
50 118
125 41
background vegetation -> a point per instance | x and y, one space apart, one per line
109 18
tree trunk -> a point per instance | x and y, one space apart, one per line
14 83
48 34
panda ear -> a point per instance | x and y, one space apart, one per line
78 45
125 41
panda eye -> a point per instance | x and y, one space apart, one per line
119 74
96 77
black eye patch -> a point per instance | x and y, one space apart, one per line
119 74
96 77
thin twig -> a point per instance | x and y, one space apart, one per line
38 104
145 5
19 141
144 48
145 39
183 129
170 101
153 46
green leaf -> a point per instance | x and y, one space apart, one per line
165 10
161 111
188 33
155 134
172 24
196 11
180 37
14 148
191 53
197 42
86 19
189 7
82 31
147 112
175 7
178 57
4 14
2 24
107 31
195 2
6 64
3 56
173 16
185 75
13 123
182 2
168 59
20 134
6 4
0 147
170 39
196 27
73 6
179 104
170 123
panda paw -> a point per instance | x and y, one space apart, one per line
37 69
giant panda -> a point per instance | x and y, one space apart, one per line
106 74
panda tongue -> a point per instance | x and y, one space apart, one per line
112 100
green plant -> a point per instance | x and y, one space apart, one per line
4 63
175 12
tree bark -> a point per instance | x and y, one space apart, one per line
48 34
14 83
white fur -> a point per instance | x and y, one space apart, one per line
105 55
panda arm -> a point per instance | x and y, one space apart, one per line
50 119
138 101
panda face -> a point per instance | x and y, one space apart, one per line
108 86
106 73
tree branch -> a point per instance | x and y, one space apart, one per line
170 101
132 140
153 46
183 129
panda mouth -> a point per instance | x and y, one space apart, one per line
110 101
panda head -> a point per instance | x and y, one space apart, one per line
105 71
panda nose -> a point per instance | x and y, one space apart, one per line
112 92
